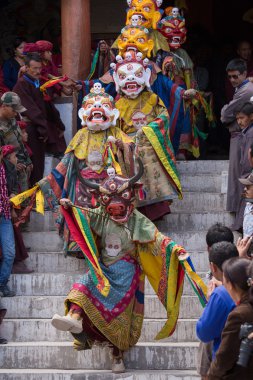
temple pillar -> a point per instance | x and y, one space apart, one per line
76 38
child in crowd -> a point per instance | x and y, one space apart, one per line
7 243
238 280
10 163
244 118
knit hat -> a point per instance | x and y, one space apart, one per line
44 45
30 47
8 149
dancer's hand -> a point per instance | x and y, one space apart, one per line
65 202
189 94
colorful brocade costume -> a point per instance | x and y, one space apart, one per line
142 251
120 245
146 118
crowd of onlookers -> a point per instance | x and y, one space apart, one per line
229 307
30 127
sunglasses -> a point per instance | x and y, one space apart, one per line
235 76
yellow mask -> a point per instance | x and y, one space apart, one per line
144 12
135 39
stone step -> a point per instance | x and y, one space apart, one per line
188 221
56 262
207 166
183 220
215 183
58 284
40 223
43 241
73 374
199 202
51 242
34 307
61 355
32 330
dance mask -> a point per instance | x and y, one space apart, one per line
135 39
144 12
116 193
98 111
131 75
173 28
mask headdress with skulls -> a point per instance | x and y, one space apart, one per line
131 75
98 111
135 39
144 12
173 28
116 193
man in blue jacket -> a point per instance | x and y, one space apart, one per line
210 325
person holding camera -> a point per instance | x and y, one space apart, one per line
244 245
234 359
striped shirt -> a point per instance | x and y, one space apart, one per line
5 209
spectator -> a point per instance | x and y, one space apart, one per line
237 278
210 325
2 315
245 243
49 70
237 73
244 118
218 233
10 164
12 66
244 51
44 126
250 156
10 134
215 234
48 67
7 243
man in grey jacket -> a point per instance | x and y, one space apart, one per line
237 75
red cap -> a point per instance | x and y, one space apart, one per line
8 149
30 47
44 45
22 124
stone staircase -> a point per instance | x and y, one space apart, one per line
39 352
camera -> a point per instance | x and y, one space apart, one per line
246 347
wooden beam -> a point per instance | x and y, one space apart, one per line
76 38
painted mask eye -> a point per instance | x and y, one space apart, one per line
122 76
146 9
105 198
168 30
106 105
124 39
141 40
139 74
126 195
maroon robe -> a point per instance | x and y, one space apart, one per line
43 122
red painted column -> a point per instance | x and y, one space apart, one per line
76 38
